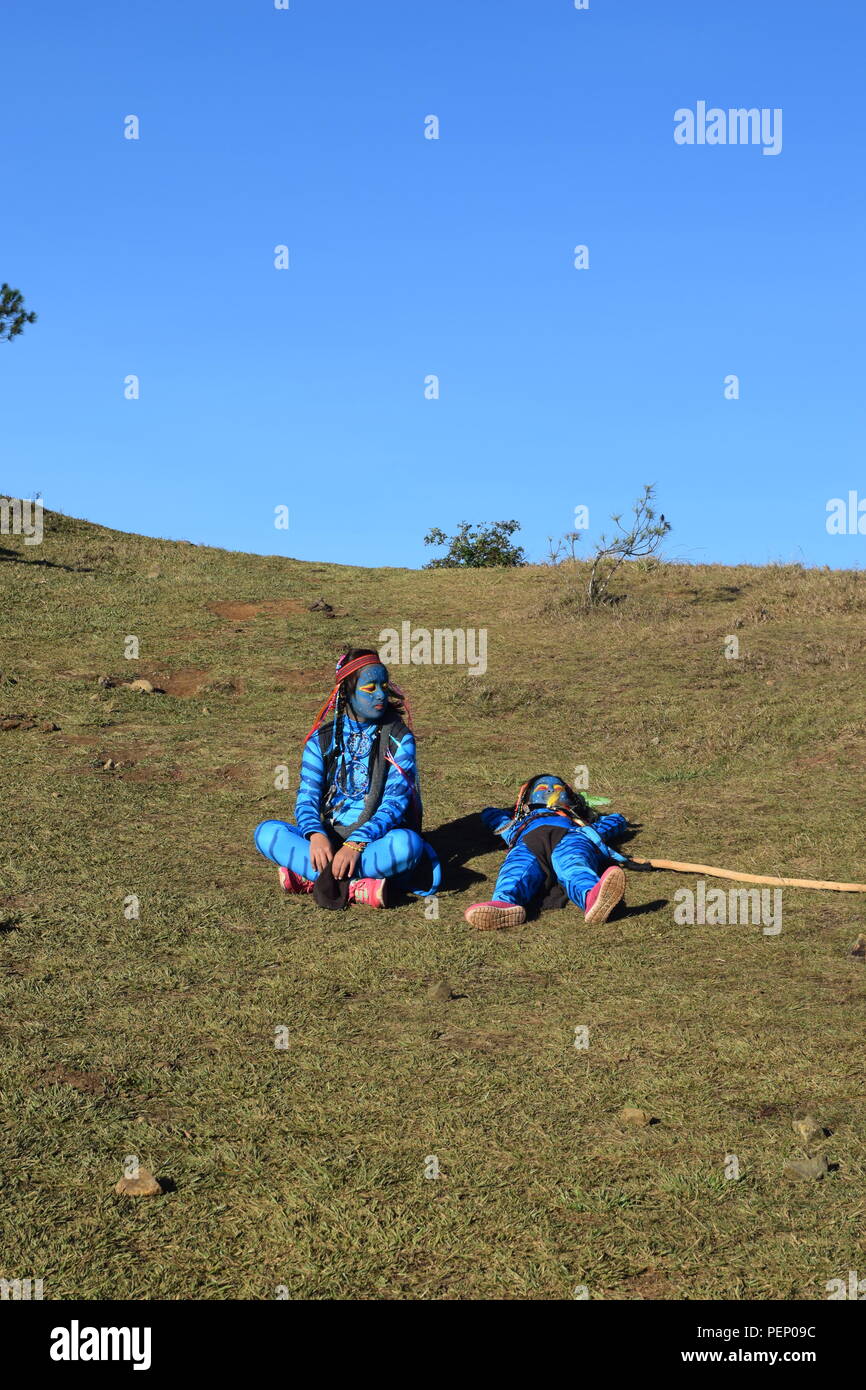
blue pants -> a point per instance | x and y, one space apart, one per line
393 854
577 863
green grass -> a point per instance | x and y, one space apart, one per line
304 1167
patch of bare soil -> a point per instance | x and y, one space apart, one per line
234 772
90 1083
26 722
234 686
183 684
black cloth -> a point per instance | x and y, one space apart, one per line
329 891
541 843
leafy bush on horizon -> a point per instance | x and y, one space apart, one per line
477 547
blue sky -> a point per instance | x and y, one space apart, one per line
410 257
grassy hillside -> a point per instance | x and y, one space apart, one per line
304 1167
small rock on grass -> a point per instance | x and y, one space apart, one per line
807 1169
440 991
808 1129
630 1116
145 1185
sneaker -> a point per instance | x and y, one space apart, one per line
494 915
603 898
370 892
290 882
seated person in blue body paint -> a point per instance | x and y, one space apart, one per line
358 810
557 846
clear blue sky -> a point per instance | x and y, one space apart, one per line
410 256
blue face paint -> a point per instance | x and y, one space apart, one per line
548 790
370 696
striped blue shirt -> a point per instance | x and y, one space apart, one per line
350 784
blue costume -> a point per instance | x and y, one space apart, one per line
578 858
359 788
391 847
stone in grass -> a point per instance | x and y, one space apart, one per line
808 1129
145 1185
807 1169
630 1116
141 685
440 992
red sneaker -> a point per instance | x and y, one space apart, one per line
494 915
603 898
370 892
290 882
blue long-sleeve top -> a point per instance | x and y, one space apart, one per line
351 784
608 828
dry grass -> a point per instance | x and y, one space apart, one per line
304 1167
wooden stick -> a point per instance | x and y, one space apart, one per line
751 878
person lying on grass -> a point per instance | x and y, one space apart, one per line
558 851
358 810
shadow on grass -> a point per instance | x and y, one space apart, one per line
638 909
457 841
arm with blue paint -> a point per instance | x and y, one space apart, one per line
311 792
611 827
496 819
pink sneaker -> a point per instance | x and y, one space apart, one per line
370 892
603 898
290 882
494 915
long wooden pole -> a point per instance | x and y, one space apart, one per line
681 868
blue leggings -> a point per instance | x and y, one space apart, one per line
577 863
284 844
